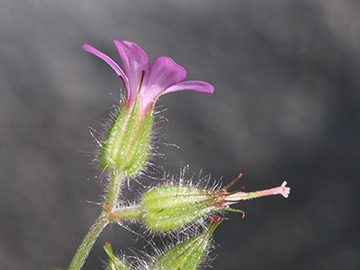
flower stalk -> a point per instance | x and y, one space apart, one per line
104 219
88 241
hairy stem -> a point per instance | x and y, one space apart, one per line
131 212
88 241
114 188
101 222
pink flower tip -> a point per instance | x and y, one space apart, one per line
284 190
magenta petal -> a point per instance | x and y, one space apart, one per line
164 72
197 86
136 63
108 60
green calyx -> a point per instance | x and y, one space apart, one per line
127 143
171 207
189 254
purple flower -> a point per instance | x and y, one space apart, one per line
126 146
149 82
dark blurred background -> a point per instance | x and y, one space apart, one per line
286 106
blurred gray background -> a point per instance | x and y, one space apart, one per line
286 106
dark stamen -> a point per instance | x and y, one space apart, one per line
142 79
236 191
122 80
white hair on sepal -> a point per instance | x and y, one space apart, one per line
185 179
99 139
104 128
158 135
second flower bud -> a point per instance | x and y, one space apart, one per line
171 207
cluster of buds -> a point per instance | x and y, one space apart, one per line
124 152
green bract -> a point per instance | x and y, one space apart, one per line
189 254
114 262
127 143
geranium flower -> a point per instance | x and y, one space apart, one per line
126 146
150 82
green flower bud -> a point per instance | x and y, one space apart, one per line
127 144
189 254
114 262
171 207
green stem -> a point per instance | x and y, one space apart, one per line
88 241
114 188
101 222
132 212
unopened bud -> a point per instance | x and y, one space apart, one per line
171 207
127 144
189 254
